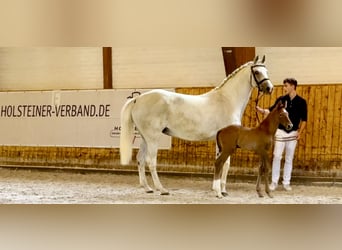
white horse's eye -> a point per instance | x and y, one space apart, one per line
257 72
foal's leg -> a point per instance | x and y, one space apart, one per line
224 177
218 172
151 159
141 166
266 173
260 174
224 174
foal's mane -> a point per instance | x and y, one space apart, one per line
231 75
270 117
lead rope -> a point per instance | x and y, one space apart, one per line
257 99
256 104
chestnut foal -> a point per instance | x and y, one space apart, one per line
257 139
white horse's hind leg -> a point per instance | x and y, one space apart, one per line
224 177
141 167
151 160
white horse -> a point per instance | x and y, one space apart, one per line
189 117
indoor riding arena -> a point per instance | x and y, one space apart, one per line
60 110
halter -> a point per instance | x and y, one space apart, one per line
289 138
258 84
255 78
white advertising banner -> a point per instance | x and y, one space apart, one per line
86 118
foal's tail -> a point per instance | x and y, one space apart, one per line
218 141
126 134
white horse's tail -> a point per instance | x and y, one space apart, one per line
126 134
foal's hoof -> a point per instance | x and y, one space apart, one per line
164 192
224 194
260 195
270 195
149 191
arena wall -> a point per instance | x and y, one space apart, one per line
191 71
318 153
309 65
58 68
50 68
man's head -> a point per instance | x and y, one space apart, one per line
290 84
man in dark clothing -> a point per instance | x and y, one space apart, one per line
287 139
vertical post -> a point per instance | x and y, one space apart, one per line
234 57
107 68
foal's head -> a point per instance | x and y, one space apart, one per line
283 116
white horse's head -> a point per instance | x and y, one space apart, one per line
260 76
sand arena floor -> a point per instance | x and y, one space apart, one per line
60 187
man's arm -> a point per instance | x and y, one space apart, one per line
302 126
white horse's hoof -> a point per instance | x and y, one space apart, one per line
224 194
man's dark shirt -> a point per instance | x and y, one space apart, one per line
296 108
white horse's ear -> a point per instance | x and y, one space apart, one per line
263 59
256 59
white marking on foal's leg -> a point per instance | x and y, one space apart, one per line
224 176
217 188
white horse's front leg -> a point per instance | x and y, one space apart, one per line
224 177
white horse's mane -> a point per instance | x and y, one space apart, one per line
231 75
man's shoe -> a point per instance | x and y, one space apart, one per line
273 186
287 187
